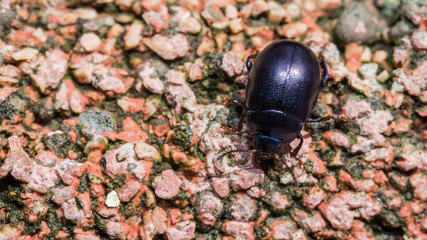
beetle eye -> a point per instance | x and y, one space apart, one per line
249 65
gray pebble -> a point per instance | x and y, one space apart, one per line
97 121
358 23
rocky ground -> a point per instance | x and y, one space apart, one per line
111 119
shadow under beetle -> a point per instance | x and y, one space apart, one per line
285 80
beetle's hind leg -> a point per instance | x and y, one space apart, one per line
327 118
325 72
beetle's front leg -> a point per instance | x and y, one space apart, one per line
295 152
327 118
250 61
239 125
234 102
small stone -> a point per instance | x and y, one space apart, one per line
231 11
112 200
368 70
97 121
238 230
232 64
221 187
358 23
337 214
314 198
243 207
168 48
90 42
337 139
276 12
133 35
419 39
146 152
25 54
293 30
383 76
208 208
154 85
419 183
167 186
236 25
189 25
175 77
259 7
293 11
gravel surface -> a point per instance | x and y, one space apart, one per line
112 118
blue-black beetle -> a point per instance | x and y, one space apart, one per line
285 80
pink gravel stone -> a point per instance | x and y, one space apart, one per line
17 161
167 186
146 152
413 159
128 191
42 179
131 105
168 48
25 54
123 160
71 211
117 229
221 187
314 198
238 230
182 231
208 208
51 70
279 201
181 96
314 223
90 42
85 203
232 64
154 85
243 207
5 92
419 183
175 77
133 35
369 209
108 80
246 178
337 139
338 214
419 39
282 229
353 108
62 194
375 123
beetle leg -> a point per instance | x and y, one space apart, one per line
234 102
250 61
323 119
325 72
295 152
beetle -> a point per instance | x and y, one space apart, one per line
284 82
